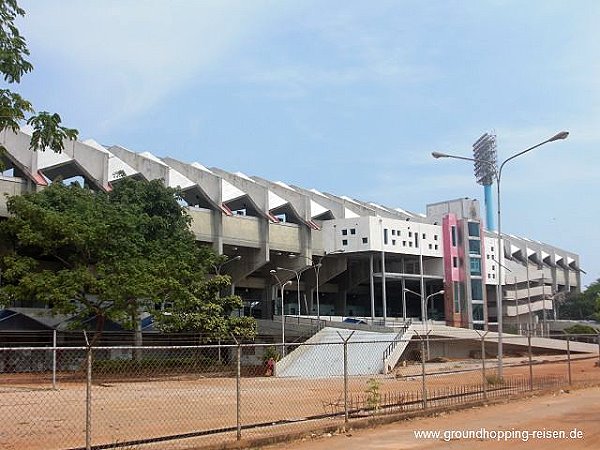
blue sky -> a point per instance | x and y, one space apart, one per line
349 97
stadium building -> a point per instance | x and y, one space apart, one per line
345 257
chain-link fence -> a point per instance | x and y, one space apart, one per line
183 396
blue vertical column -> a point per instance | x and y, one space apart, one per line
489 207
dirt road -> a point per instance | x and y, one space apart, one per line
566 411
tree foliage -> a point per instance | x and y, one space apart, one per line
112 255
583 306
48 131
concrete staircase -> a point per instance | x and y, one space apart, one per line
394 351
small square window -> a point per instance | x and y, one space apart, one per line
487 256
365 240
398 232
436 246
352 230
430 246
410 234
410 243
403 243
344 241
393 232
393 241
492 248
344 232
493 267
435 237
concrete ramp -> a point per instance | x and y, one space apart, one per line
323 354
514 340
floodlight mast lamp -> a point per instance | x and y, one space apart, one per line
497 171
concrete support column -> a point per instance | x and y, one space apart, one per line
340 302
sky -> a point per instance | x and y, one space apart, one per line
348 97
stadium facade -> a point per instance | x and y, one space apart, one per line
345 257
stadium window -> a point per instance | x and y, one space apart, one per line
424 236
475 264
410 234
403 243
454 261
473 228
435 237
436 246
385 236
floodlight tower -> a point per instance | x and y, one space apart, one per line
486 159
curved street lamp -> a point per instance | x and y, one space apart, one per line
282 286
298 274
317 268
497 171
218 267
424 317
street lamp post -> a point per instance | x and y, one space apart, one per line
297 273
424 317
497 171
281 287
218 267
317 268
440 292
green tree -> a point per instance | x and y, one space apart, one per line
112 256
583 306
14 109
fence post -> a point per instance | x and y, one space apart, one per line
346 415
346 384
53 359
88 395
424 385
599 349
483 375
238 377
530 361
569 357
238 388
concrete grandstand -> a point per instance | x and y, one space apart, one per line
345 257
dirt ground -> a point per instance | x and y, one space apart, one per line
566 410
33 416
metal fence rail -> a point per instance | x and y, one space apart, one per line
180 396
